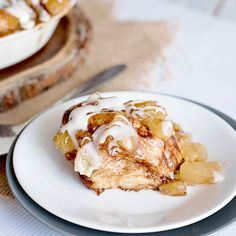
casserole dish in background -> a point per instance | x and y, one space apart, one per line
20 45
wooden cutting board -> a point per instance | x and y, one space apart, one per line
55 63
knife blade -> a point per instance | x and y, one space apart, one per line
83 89
95 81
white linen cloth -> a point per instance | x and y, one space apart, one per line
202 67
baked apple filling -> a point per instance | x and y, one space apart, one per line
132 146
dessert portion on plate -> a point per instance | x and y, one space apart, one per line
131 146
17 15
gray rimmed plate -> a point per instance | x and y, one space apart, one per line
205 226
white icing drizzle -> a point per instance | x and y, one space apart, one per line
88 157
23 12
217 177
78 119
167 128
140 111
43 14
119 129
94 97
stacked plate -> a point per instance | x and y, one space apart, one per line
45 184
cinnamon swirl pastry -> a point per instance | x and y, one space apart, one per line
131 146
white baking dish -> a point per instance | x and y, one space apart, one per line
20 45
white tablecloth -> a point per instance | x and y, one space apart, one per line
202 65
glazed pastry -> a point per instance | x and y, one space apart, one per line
16 15
131 146
20 10
42 15
55 6
111 147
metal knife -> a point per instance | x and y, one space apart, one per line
84 88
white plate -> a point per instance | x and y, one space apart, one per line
50 181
